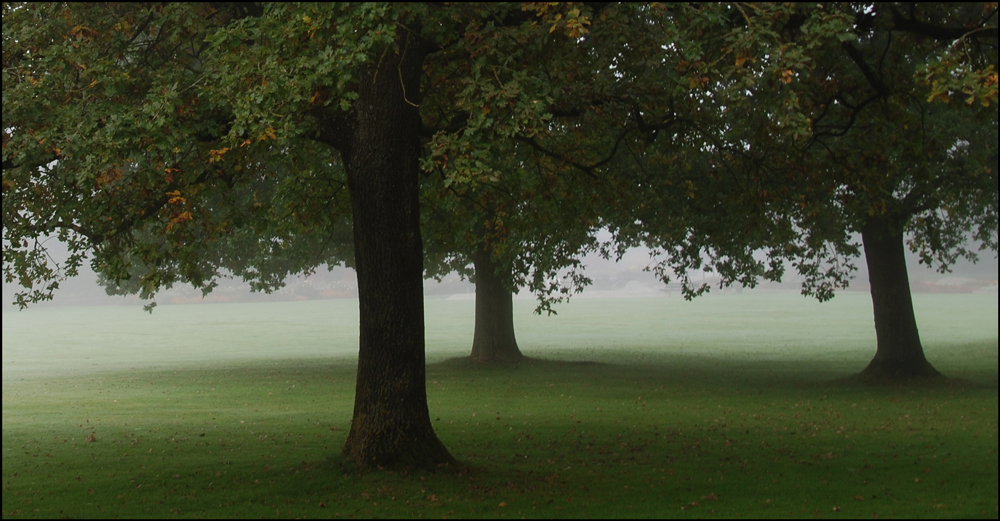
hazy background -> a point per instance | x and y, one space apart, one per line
626 278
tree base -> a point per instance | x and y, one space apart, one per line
878 371
503 361
427 453
469 362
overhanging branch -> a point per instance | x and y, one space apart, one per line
589 169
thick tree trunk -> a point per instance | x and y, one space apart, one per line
494 338
899 354
391 425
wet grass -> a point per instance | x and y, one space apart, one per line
747 415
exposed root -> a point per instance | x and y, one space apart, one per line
426 453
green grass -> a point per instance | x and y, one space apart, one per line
727 406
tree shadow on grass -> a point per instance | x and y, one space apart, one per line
468 362
718 371
339 465
938 381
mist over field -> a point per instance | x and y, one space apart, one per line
726 406
748 331
625 278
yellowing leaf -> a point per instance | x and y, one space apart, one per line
267 134
175 197
180 218
216 155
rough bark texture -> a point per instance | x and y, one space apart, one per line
391 426
494 340
899 354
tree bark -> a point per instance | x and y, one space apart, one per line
899 354
391 427
494 338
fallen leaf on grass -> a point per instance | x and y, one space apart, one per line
859 497
502 504
836 509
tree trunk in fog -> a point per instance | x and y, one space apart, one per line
899 353
391 425
494 338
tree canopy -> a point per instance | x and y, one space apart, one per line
803 91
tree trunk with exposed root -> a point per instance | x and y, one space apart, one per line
899 354
391 427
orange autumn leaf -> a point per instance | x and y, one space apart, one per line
175 197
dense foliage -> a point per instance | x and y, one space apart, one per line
814 119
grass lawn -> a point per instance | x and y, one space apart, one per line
729 406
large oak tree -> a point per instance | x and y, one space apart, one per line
879 154
832 122
169 142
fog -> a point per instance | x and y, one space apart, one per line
629 277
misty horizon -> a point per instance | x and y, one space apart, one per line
624 278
